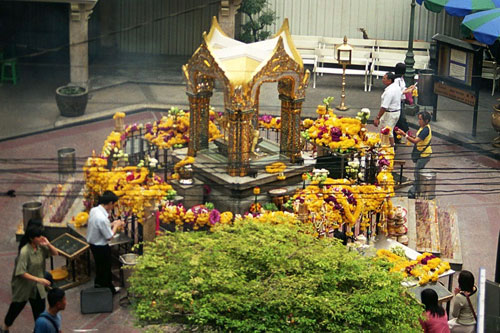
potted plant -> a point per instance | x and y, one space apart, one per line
71 100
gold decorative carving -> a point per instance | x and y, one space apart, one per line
241 99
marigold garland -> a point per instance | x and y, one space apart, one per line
199 216
426 268
172 130
119 115
275 167
338 133
338 201
185 161
270 122
131 184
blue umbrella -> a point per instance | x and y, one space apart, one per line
459 7
485 26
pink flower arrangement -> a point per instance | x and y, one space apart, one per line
386 130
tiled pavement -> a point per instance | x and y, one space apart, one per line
30 107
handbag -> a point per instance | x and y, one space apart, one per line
470 305
409 98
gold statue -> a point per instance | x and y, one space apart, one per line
255 141
223 123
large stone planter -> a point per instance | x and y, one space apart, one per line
71 100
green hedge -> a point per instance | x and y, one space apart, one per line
254 277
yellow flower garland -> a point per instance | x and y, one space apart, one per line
119 115
276 167
320 132
424 273
131 184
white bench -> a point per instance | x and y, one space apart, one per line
390 52
328 56
306 46
491 71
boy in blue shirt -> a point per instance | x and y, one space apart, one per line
50 320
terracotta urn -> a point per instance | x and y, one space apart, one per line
495 122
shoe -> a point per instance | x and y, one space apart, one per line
117 290
411 195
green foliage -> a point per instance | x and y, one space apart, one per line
71 90
328 101
253 277
270 207
399 251
258 18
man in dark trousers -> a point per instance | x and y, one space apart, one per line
100 231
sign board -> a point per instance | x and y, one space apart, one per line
69 246
460 95
459 63
458 75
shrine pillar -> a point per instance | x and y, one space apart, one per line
290 144
227 13
199 106
78 42
239 143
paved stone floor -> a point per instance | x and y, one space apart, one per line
464 176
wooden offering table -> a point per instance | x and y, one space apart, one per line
120 244
444 296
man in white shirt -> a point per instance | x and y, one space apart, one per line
100 231
390 108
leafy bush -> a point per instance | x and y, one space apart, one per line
71 90
254 277
258 18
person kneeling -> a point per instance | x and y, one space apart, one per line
437 321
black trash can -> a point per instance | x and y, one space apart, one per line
426 94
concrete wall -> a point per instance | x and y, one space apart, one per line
382 19
158 33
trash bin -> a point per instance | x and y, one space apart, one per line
127 260
66 160
426 94
31 210
426 184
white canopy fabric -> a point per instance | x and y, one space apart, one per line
241 61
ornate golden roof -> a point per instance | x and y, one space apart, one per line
243 67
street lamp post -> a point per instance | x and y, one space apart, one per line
410 59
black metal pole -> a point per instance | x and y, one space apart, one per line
474 120
497 271
410 59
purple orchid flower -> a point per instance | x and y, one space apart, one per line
214 216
